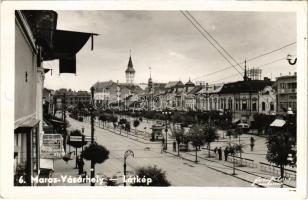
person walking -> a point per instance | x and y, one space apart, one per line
215 150
226 152
252 143
80 166
219 153
174 146
162 145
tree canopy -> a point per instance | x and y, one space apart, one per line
156 174
96 153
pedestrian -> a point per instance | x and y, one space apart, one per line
252 143
174 146
220 153
215 150
226 152
80 166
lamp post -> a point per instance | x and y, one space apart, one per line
92 133
167 115
126 154
64 119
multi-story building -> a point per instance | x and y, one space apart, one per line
36 40
242 98
286 93
246 98
72 98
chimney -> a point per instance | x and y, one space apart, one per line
295 73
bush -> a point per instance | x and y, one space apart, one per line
157 175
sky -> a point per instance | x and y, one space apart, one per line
168 43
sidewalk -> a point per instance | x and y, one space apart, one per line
247 174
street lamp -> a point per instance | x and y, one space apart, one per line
126 154
64 119
221 114
167 115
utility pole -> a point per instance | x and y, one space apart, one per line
92 134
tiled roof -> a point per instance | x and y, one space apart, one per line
104 84
195 89
245 86
172 84
211 89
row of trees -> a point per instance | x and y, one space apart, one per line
198 135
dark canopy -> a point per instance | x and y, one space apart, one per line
56 44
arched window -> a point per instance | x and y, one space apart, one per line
230 104
263 106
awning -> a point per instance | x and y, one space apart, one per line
278 123
66 45
235 121
46 164
28 125
57 44
56 121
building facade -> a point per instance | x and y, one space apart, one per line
286 93
72 98
28 102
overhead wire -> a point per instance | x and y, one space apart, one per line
204 36
250 59
209 34
260 66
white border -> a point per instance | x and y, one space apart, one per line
7 104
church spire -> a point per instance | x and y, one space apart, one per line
130 71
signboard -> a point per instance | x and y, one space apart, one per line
79 138
52 147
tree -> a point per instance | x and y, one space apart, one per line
178 134
196 136
76 144
136 124
210 136
156 174
96 153
280 145
234 150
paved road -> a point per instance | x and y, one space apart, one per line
178 171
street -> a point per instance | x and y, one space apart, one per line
178 171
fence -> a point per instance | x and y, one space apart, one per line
242 161
288 173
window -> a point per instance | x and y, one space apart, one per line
230 104
244 105
254 106
263 106
272 107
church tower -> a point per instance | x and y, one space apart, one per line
130 72
150 82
